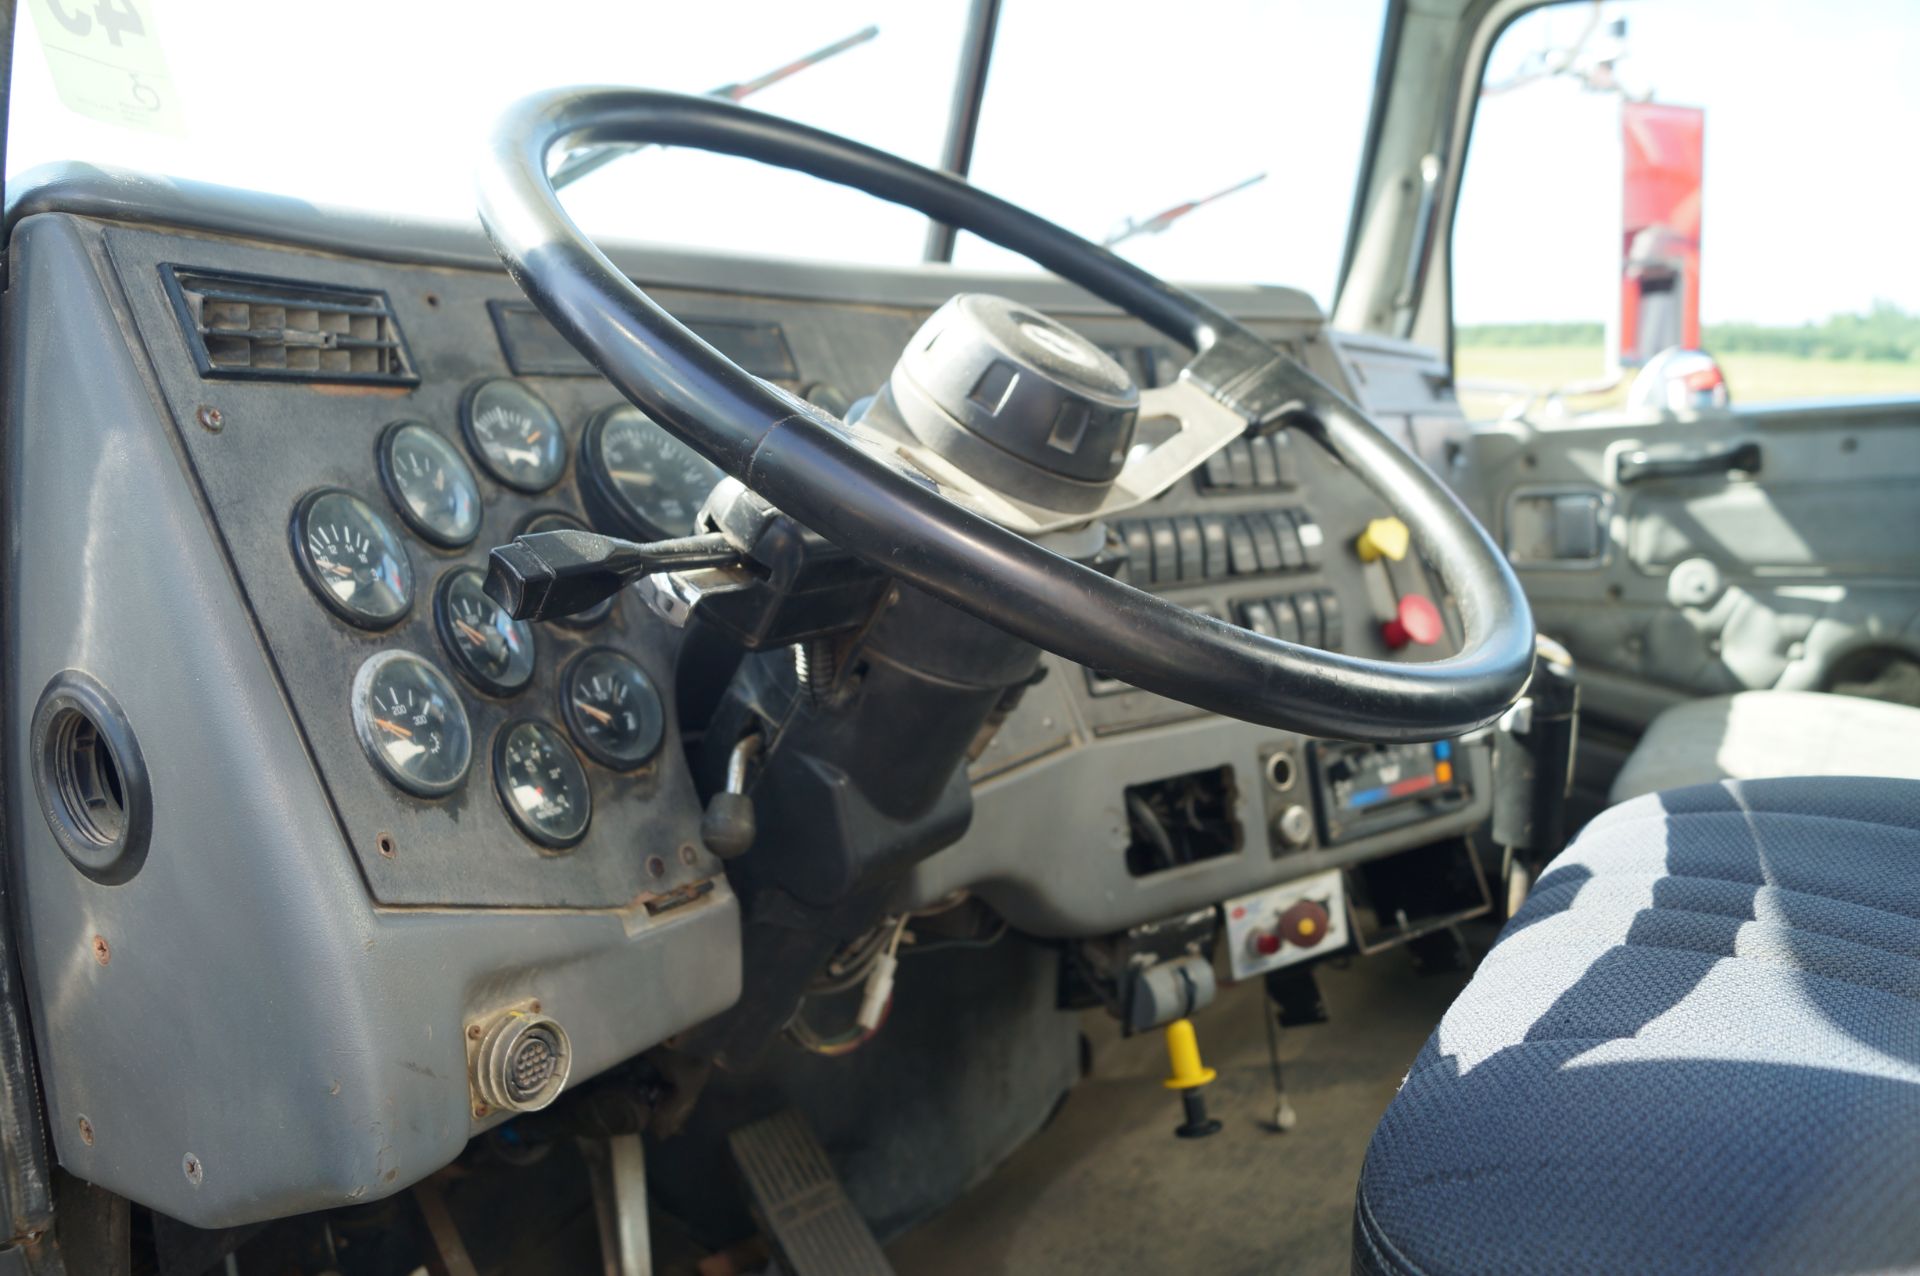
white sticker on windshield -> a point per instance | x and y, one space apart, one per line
106 62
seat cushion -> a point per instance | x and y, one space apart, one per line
1757 734
1695 1048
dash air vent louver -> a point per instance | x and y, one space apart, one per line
282 329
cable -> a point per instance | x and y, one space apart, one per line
1284 1117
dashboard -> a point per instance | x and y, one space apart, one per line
316 827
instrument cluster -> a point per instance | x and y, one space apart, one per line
408 712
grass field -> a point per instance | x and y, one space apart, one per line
1751 378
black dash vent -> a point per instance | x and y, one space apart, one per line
282 329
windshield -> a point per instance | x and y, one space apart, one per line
1110 127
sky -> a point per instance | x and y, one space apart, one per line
1094 112
1810 186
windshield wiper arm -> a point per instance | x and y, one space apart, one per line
585 160
1160 221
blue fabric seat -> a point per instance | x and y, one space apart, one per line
1696 1048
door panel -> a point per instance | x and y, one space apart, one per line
1802 571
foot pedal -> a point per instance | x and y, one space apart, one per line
798 1198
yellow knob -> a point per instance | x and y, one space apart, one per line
1183 1055
1384 538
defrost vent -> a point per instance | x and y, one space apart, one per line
281 329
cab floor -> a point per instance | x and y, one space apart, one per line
1106 1187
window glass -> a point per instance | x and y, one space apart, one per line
1097 114
1727 174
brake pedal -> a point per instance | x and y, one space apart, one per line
800 1202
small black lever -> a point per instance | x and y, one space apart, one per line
549 574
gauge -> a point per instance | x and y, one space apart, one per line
554 521
612 709
638 479
491 648
411 723
352 557
542 784
429 484
515 434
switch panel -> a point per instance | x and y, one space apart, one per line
1283 925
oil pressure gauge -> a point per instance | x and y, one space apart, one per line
612 709
515 434
429 484
638 480
411 723
352 558
541 783
491 648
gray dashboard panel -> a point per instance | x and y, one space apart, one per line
256 1011
260 1011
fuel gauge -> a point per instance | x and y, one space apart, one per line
429 484
541 783
515 434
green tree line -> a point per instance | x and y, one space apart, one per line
1885 333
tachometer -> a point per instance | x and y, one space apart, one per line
638 480
491 648
612 709
411 723
541 783
429 484
555 521
515 434
352 558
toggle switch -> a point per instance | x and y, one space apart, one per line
1383 538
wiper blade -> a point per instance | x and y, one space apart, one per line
585 160
1160 221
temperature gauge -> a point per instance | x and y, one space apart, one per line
541 783
491 648
411 723
612 709
429 484
515 434
640 481
352 558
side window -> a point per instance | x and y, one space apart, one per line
1645 181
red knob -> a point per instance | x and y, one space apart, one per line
1415 620
1305 923
1266 943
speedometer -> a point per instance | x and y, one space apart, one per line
638 480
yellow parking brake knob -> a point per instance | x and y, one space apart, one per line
1384 538
1189 1077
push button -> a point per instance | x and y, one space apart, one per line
1384 538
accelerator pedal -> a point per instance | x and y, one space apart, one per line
798 1198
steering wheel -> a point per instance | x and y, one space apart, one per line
827 477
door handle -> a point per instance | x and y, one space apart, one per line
1688 460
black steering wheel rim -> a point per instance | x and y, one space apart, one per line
794 456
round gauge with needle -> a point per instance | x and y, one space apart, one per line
612 709
430 484
541 783
352 558
555 521
411 723
514 433
638 480
492 649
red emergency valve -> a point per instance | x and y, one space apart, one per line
1266 943
1416 619
1304 924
